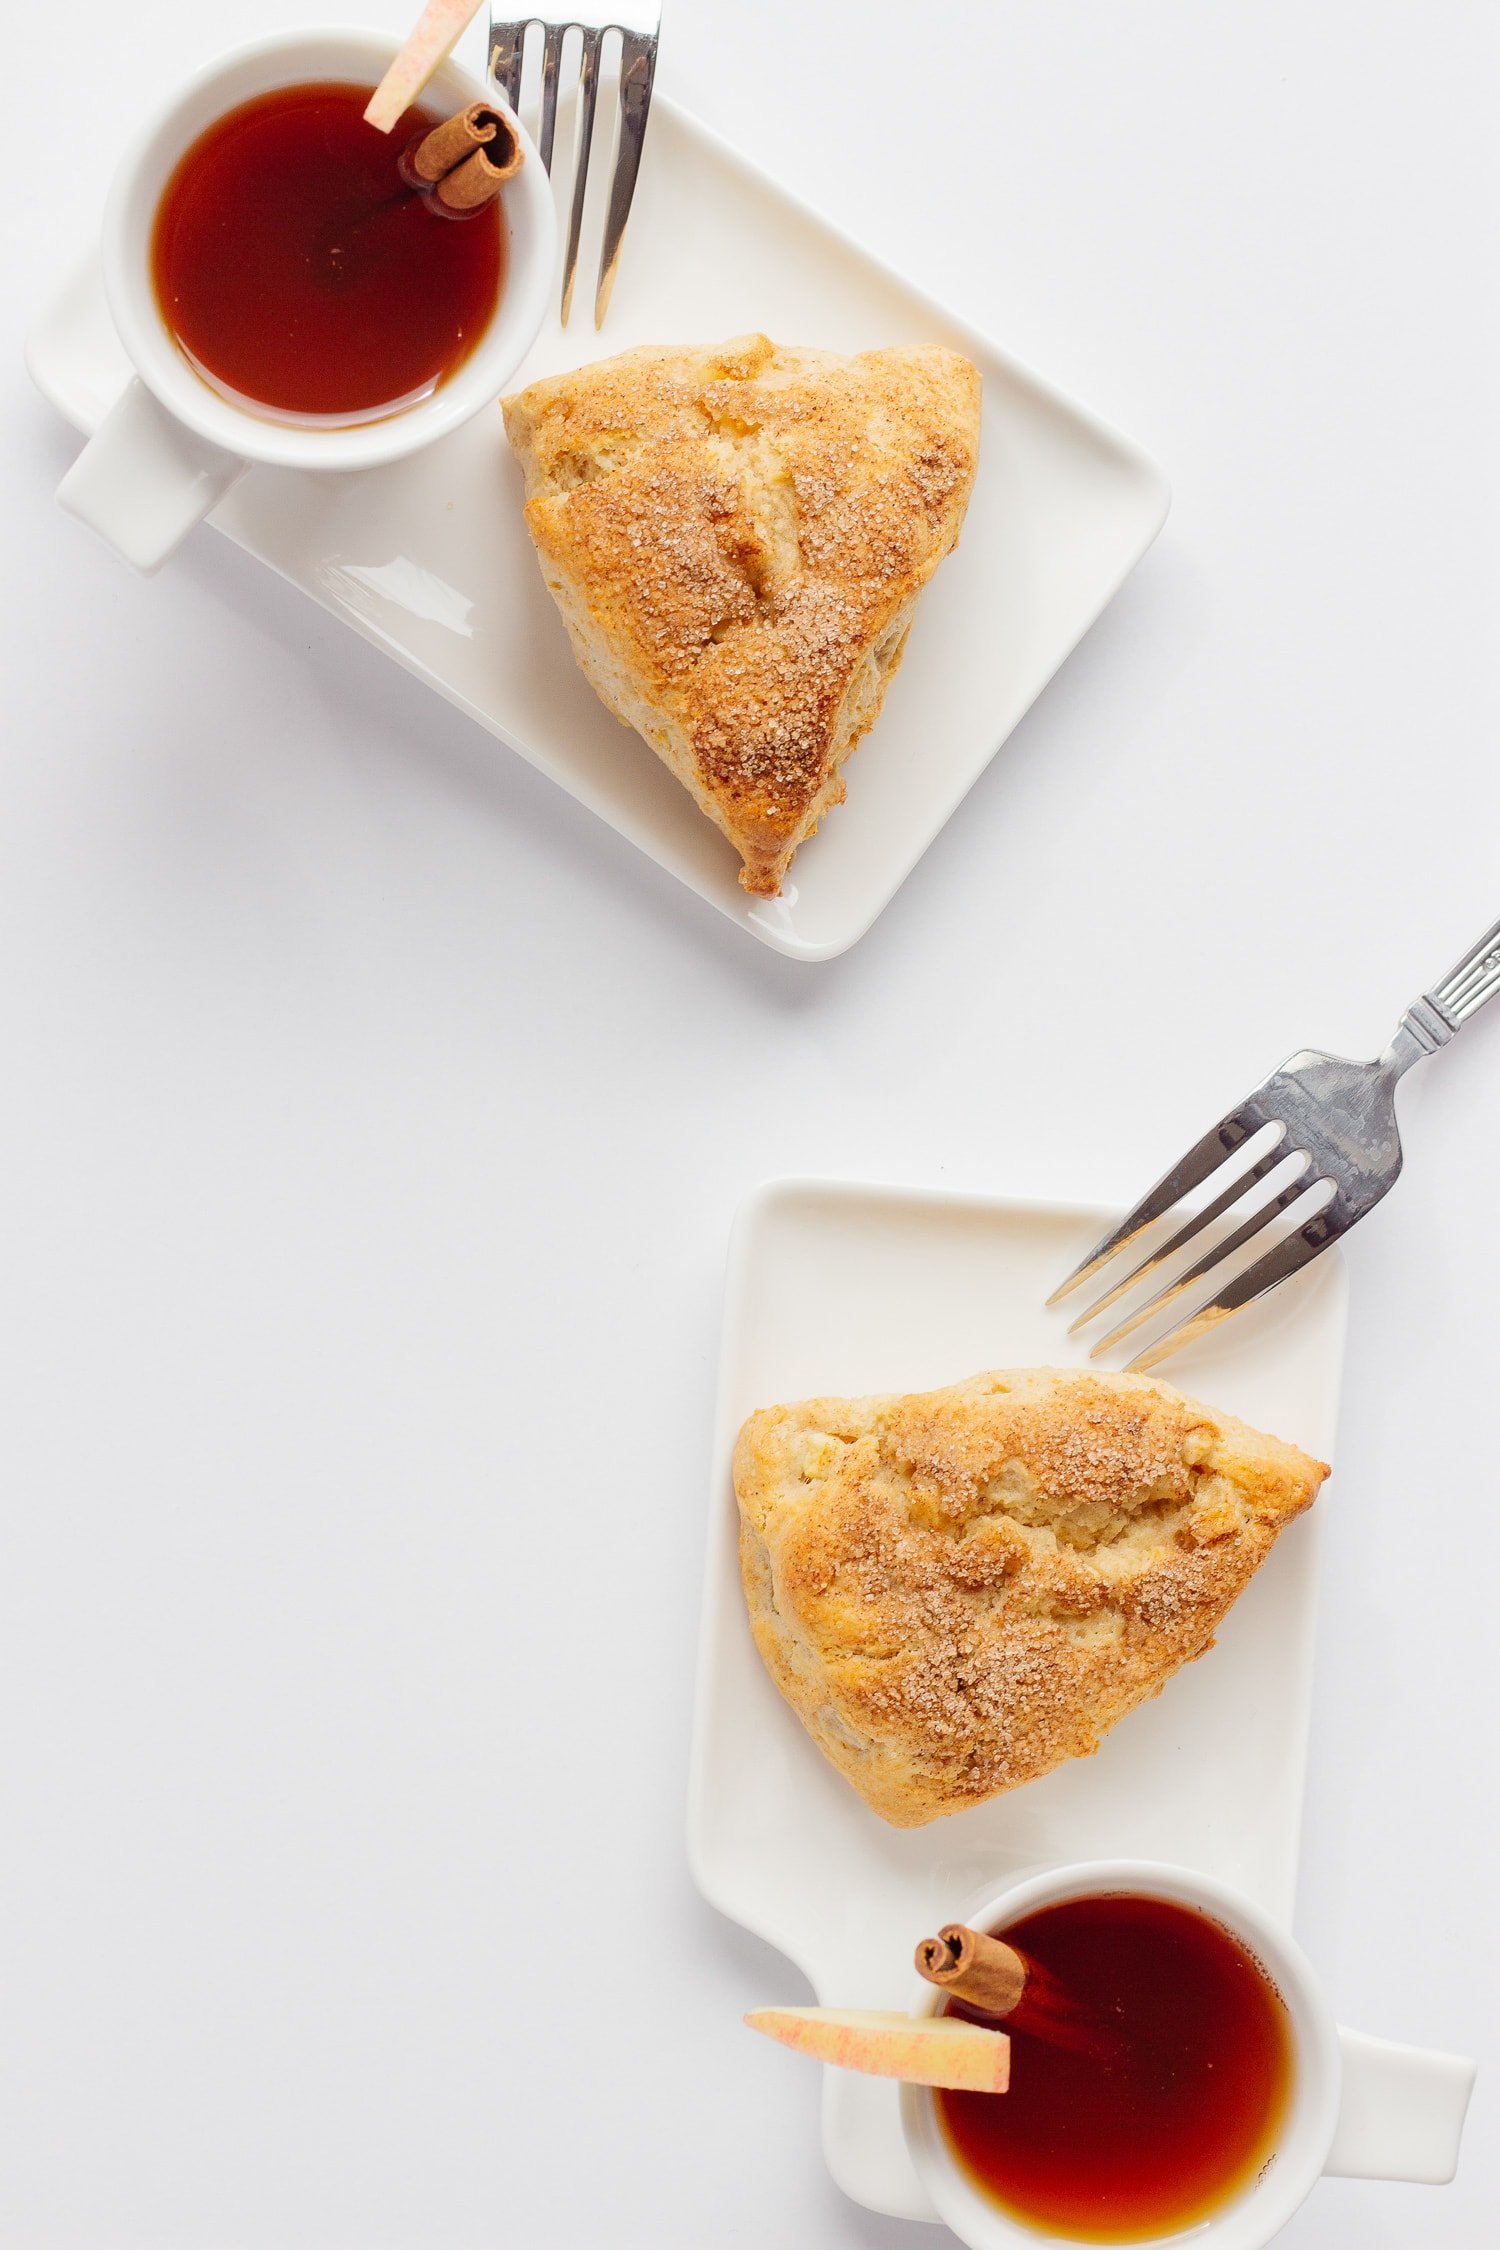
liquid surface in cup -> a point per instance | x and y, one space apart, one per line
298 271
1163 2099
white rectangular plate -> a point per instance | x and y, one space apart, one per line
839 1289
430 560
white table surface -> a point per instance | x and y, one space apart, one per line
373 1119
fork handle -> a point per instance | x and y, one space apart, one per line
1429 1023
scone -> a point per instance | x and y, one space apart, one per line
736 539
956 1591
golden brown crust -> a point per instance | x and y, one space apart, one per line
955 1591
736 538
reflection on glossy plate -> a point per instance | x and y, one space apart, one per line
429 558
842 1289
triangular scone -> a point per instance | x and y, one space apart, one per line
958 1590
736 538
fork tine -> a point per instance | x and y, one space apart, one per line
637 71
1190 1171
552 41
1260 1218
1191 1226
588 92
1289 1256
507 59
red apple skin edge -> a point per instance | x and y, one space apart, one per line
437 33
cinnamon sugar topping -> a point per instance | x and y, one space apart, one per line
969 1586
737 540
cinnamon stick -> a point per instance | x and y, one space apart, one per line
465 161
443 146
479 179
967 1964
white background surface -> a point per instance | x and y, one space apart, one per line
373 1120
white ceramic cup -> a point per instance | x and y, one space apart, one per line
1360 2107
172 445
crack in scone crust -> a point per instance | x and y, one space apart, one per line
958 1590
736 540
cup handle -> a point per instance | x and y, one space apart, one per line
1402 2112
144 479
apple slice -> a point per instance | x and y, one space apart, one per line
924 2050
437 34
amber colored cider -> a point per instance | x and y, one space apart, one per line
1175 2112
298 271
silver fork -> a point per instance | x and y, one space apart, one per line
1332 1121
638 22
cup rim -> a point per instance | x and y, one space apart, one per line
1258 2213
331 51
